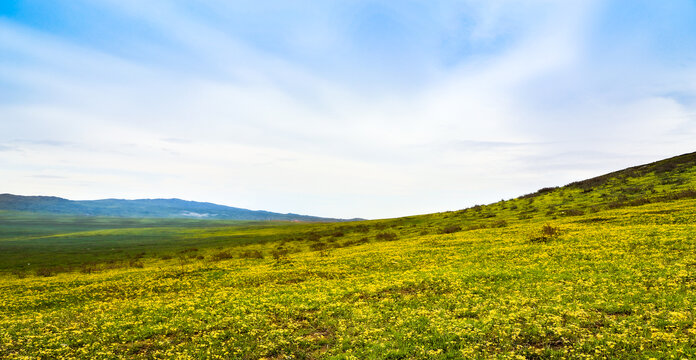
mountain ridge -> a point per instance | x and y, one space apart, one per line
144 208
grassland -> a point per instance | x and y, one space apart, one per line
604 268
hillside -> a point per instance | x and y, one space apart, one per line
601 268
143 208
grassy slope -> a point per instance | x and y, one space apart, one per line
617 282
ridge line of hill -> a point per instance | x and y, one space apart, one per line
147 208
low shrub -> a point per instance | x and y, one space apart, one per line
363 240
318 246
450 229
49 271
572 212
88 268
386 236
19 274
313 237
251 254
499 224
550 231
362 228
279 254
222 255
338 234
547 233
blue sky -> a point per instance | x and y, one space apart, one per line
345 108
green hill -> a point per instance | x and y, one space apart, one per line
600 268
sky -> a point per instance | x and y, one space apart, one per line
369 109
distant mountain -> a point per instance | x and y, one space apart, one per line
144 208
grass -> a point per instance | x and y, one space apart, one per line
604 269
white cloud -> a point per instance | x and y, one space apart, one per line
245 127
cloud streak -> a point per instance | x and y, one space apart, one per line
329 111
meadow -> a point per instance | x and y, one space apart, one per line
604 268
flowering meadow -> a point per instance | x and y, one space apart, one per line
579 272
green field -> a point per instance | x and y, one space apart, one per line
604 268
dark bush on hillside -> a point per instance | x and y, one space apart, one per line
45 272
632 190
279 254
222 255
380 226
318 246
362 228
589 184
549 230
572 212
313 237
136 264
363 240
615 205
664 168
672 181
499 224
20 274
386 236
539 192
686 194
88 268
475 227
638 202
49 271
338 233
547 233
623 200
113 264
450 229
251 254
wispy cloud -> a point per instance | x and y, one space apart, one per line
366 108
49 177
